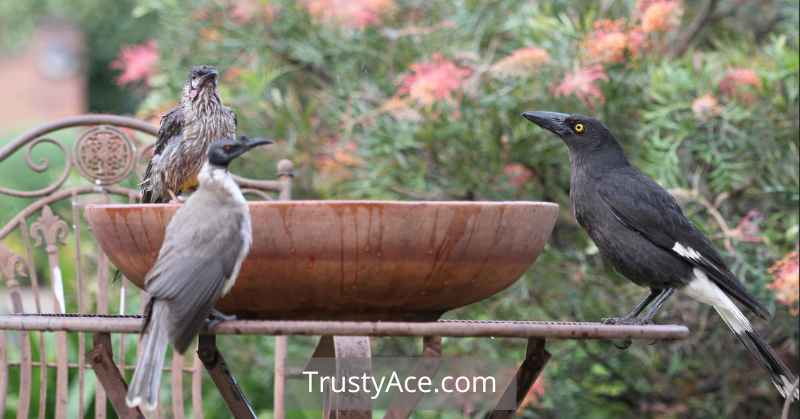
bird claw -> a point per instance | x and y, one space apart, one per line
627 321
216 317
176 199
623 345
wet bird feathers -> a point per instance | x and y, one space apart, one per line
182 141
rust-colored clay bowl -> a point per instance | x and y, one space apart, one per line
353 260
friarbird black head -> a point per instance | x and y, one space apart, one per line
224 151
579 132
202 81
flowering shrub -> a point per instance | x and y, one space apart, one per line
583 84
786 281
432 81
138 63
421 100
354 14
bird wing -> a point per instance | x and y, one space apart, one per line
641 204
193 265
170 130
235 119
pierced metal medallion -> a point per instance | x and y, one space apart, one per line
104 155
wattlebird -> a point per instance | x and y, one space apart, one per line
640 229
206 241
184 136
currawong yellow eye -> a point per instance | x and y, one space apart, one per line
578 128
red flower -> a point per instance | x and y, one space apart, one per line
706 107
338 161
748 230
436 80
243 11
534 394
354 14
786 281
521 63
739 83
637 41
660 15
517 174
607 43
583 84
137 62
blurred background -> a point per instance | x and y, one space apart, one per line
420 100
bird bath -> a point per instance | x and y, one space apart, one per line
352 260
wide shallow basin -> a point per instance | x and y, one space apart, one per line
352 260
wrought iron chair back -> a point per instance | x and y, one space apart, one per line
50 263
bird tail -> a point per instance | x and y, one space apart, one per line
153 345
706 291
780 375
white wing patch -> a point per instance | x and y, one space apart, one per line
704 290
687 252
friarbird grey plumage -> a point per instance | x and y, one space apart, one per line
205 243
640 229
184 136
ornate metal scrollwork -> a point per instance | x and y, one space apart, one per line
11 266
49 229
104 155
39 167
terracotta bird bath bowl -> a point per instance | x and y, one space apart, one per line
353 260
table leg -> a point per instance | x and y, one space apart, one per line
226 384
102 359
536 357
403 406
352 355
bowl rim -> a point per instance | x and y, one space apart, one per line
348 202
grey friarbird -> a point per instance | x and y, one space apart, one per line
206 241
184 136
640 229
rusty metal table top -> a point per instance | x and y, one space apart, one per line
449 328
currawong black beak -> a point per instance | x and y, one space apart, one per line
552 121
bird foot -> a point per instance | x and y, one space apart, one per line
628 321
623 345
176 199
216 317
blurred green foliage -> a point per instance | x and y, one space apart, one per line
410 101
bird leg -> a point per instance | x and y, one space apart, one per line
631 317
175 199
216 317
655 300
659 301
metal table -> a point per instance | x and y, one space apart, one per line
339 339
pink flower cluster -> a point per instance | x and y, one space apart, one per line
583 84
739 83
438 79
706 107
659 15
612 41
607 43
518 175
523 62
353 14
786 281
137 63
244 11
